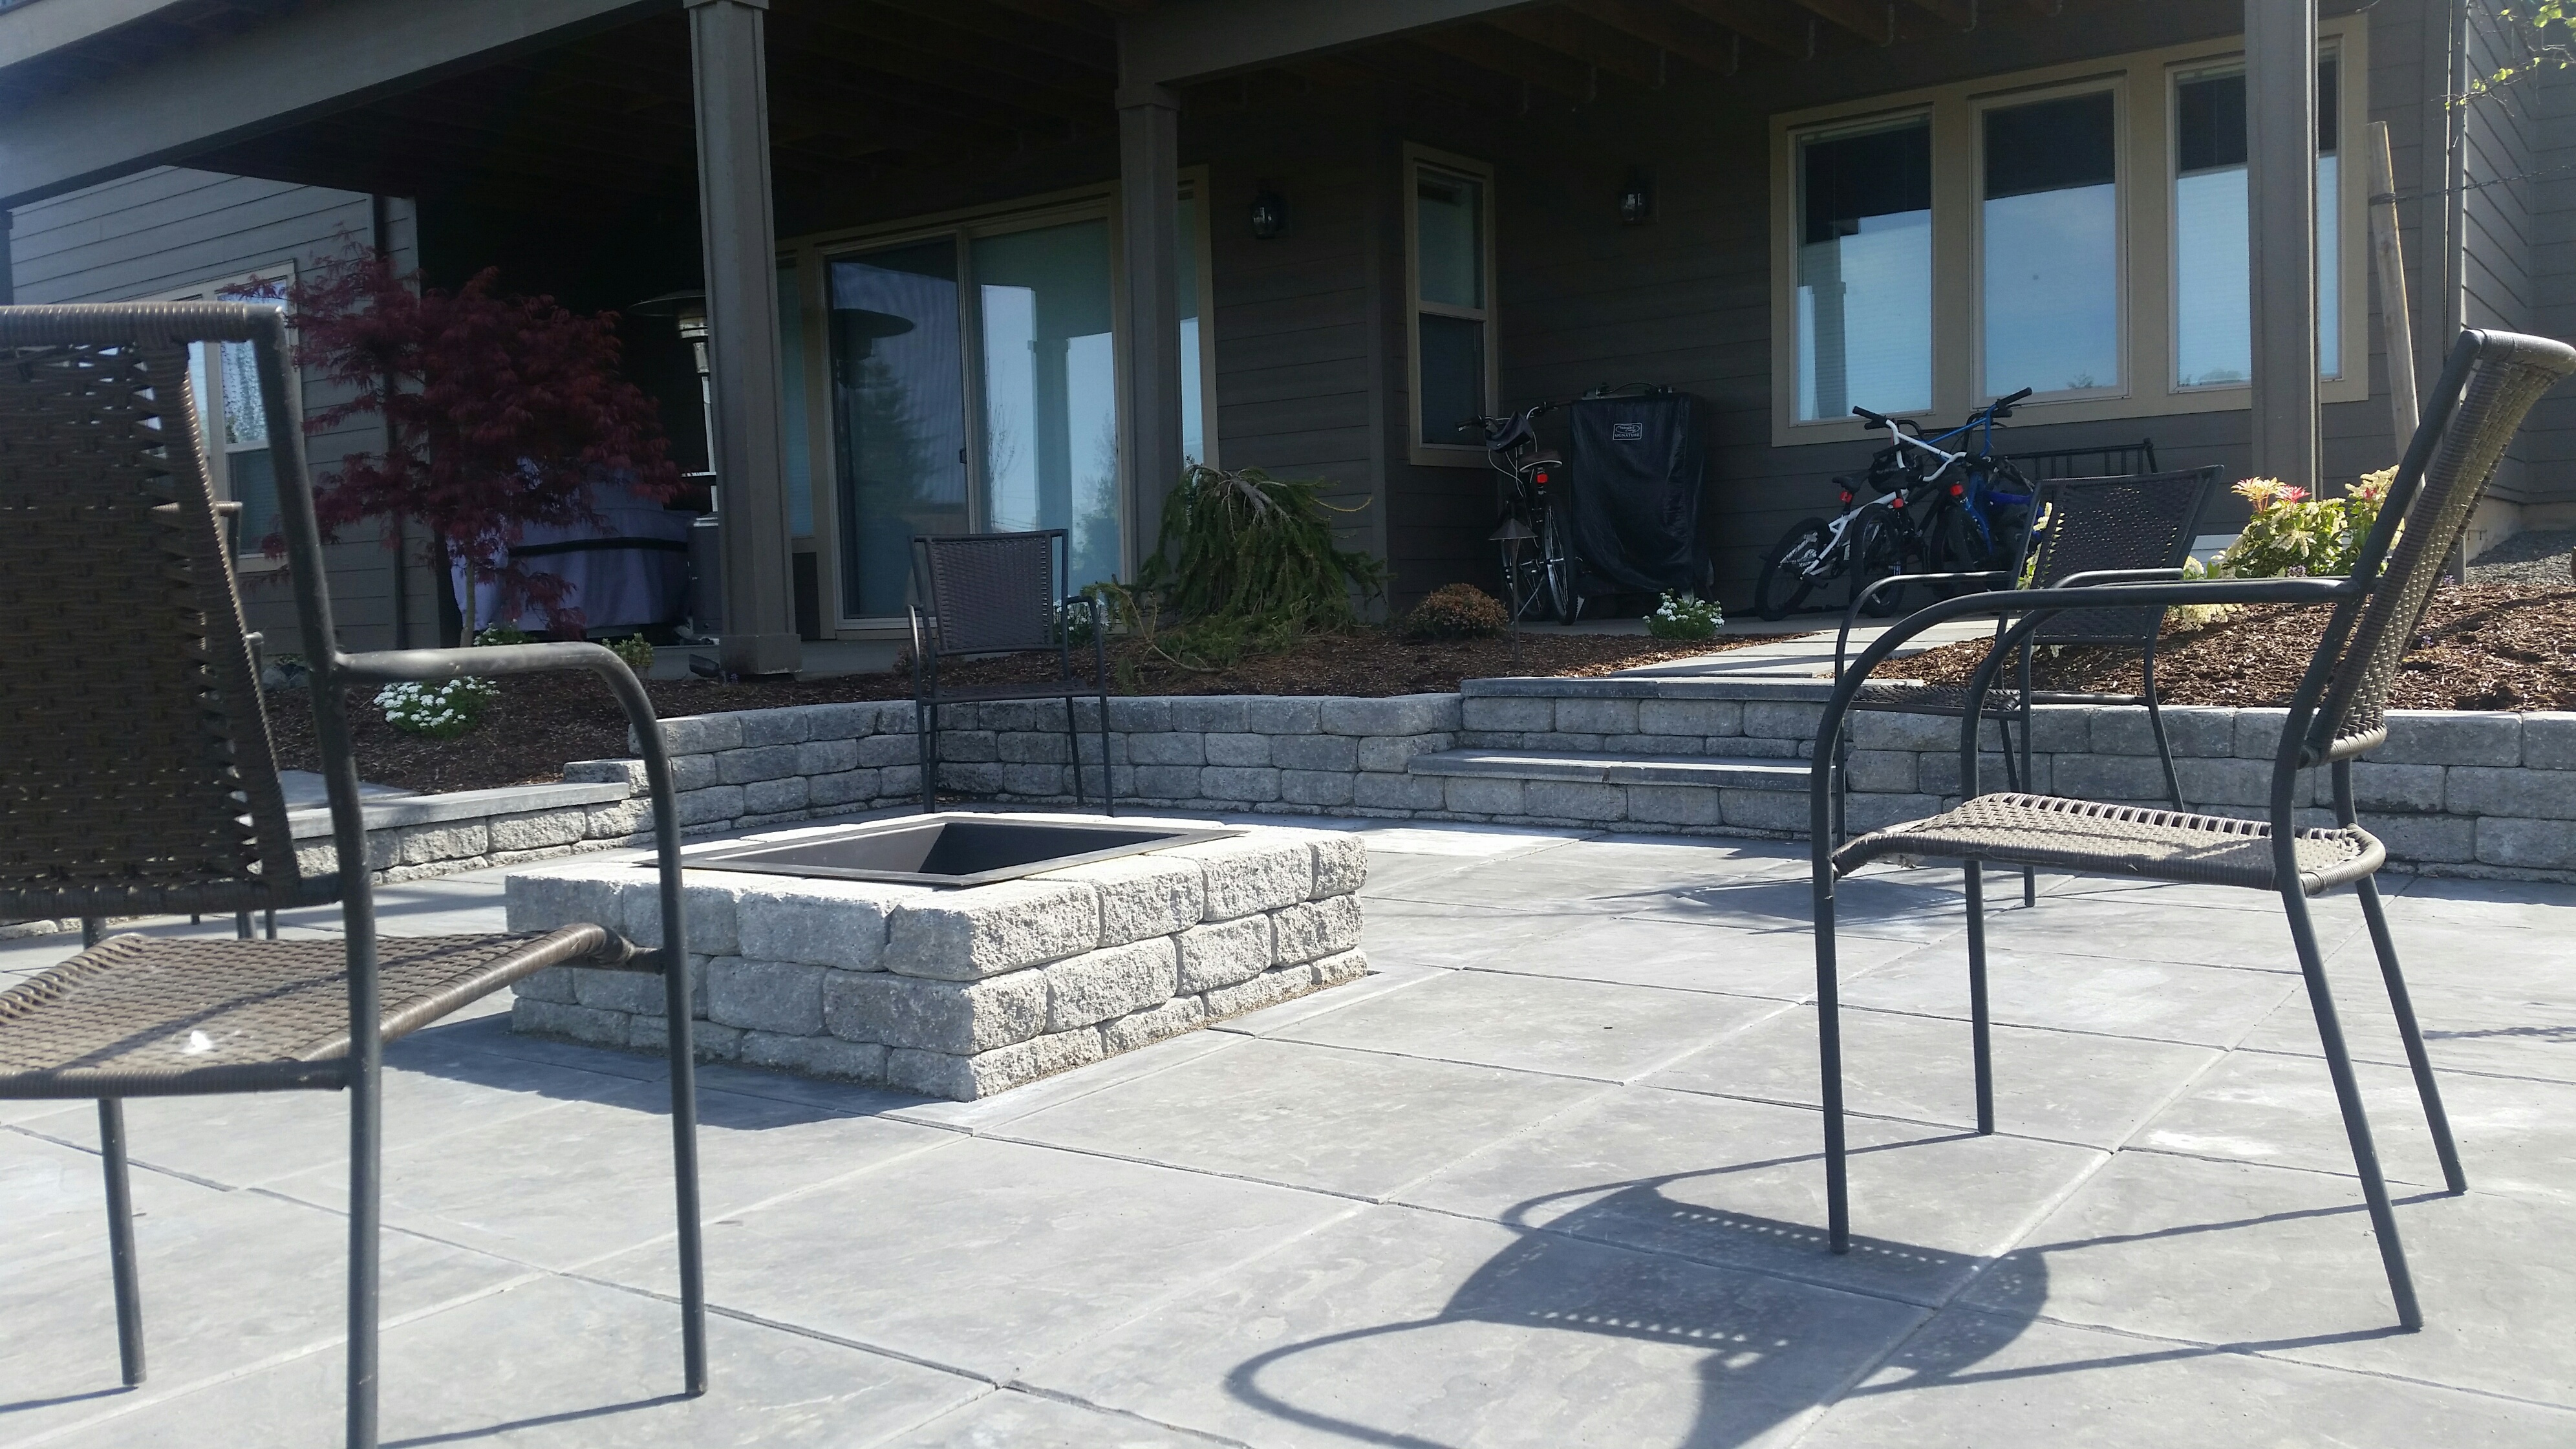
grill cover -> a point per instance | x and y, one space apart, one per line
1638 466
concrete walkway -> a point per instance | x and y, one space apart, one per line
1548 1179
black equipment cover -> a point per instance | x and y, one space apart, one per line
1638 465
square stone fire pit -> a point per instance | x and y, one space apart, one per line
855 969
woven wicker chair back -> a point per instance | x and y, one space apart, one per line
2507 374
991 592
2143 522
135 758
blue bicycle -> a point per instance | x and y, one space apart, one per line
1976 506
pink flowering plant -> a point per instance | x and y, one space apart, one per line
2294 535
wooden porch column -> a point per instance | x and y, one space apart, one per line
731 85
1149 190
2281 206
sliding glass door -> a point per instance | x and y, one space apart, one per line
1050 388
898 415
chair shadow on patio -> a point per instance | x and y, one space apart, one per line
1756 1375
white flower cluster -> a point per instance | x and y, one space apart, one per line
439 711
1685 616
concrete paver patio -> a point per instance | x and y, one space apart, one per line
1548 1178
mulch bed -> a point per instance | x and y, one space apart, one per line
2483 646
539 723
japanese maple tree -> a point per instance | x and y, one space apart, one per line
501 412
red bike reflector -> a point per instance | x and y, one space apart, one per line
1958 490
1847 496
1542 477
1897 502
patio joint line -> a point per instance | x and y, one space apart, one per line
1075 1401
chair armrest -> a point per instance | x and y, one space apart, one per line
1851 611
511 659
925 663
2097 577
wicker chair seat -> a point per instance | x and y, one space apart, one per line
2127 840
149 1016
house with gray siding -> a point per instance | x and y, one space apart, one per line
993 263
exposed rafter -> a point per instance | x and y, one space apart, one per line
1509 55
1703 45
1764 22
1587 41
1961 13
1871 20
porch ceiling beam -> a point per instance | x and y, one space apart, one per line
1512 57
304 63
974 87
31 30
1090 49
1409 65
1871 20
1187 40
1764 22
1044 80
1071 14
1578 38
1711 50
1961 13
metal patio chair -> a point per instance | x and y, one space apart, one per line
2337 714
138 778
2110 460
2138 528
996 593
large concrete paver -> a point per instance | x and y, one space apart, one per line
1931 1205
1536 1023
1398 1327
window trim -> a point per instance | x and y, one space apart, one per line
1420 451
2146 140
247 556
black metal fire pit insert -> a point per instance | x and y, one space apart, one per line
947 850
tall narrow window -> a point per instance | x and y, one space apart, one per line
232 417
2049 224
1050 389
2213 327
1452 316
1185 293
1865 270
898 414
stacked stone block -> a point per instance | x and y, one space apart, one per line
960 993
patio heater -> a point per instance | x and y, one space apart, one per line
688 311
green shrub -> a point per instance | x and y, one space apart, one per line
1685 616
2293 535
439 711
1457 611
1256 552
636 650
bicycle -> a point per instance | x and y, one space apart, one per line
1976 510
1538 557
1869 540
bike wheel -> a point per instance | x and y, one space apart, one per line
1556 564
1884 544
1792 569
1950 545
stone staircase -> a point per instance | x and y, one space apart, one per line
1719 742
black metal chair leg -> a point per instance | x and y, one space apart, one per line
2356 1123
1829 1052
2156 726
366 1215
120 1240
269 923
1980 1033
2437 1120
1073 743
241 925
1108 777
2029 874
684 1174
925 729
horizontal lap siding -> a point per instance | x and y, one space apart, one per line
1295 376
170 229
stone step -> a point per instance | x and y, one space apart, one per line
1650 686
1711 772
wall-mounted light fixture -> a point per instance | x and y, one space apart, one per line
1637 198
1269 213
